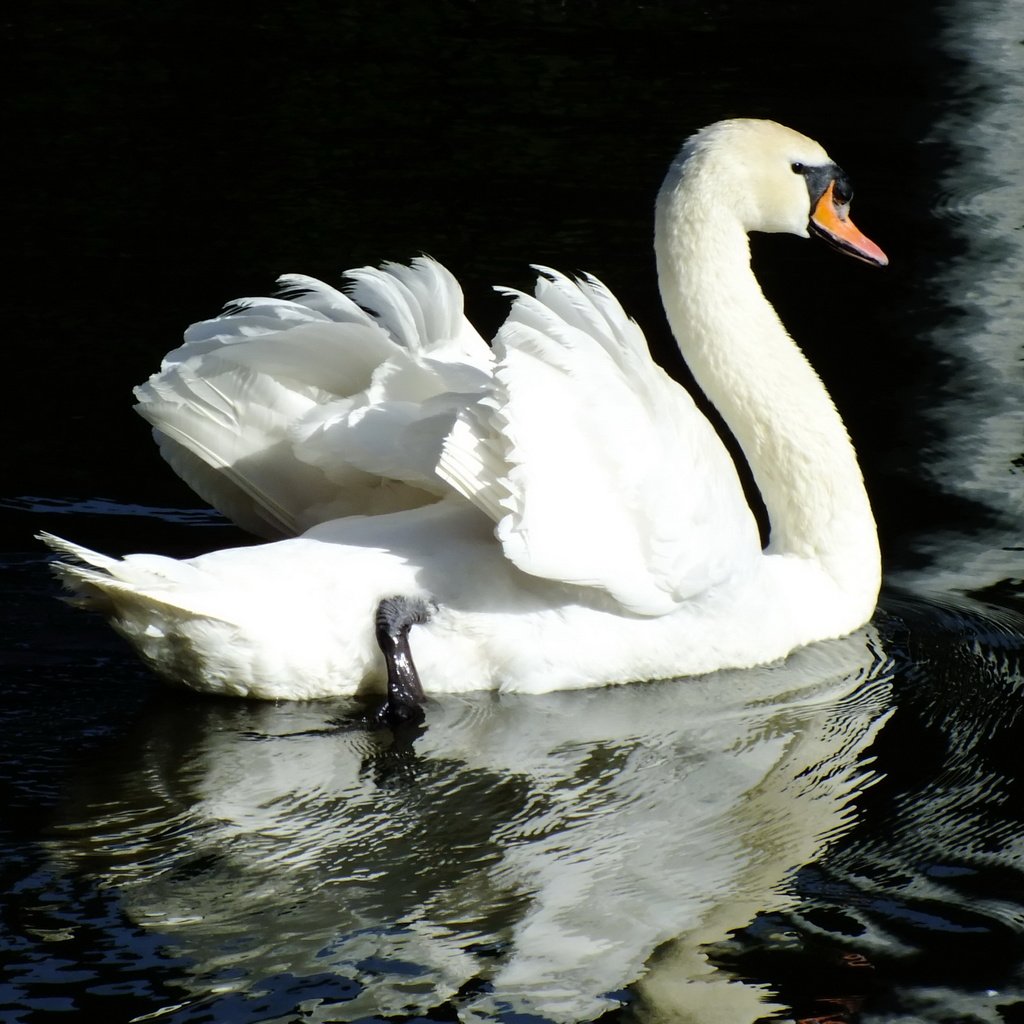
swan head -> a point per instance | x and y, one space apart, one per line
775 180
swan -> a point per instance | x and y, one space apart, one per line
548 513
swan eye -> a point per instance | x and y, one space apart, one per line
798 168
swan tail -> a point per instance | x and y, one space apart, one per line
78 554
122 587
266 410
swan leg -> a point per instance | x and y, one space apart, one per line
395 617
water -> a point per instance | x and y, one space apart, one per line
839 837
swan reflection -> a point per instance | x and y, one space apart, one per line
527 853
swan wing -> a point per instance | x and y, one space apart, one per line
288 411
598 468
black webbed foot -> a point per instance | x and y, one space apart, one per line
395 617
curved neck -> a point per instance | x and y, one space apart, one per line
767 392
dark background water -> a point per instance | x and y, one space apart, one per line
170 157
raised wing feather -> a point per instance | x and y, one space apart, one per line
598 469
284 412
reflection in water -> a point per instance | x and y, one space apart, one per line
981 201
526 854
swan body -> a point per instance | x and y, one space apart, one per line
561 505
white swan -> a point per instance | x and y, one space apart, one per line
551 515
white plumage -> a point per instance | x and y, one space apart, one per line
561 500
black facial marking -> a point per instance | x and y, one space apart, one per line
819 178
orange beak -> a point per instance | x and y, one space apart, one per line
831 221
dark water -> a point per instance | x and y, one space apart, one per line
838 838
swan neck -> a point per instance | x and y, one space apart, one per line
766 391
